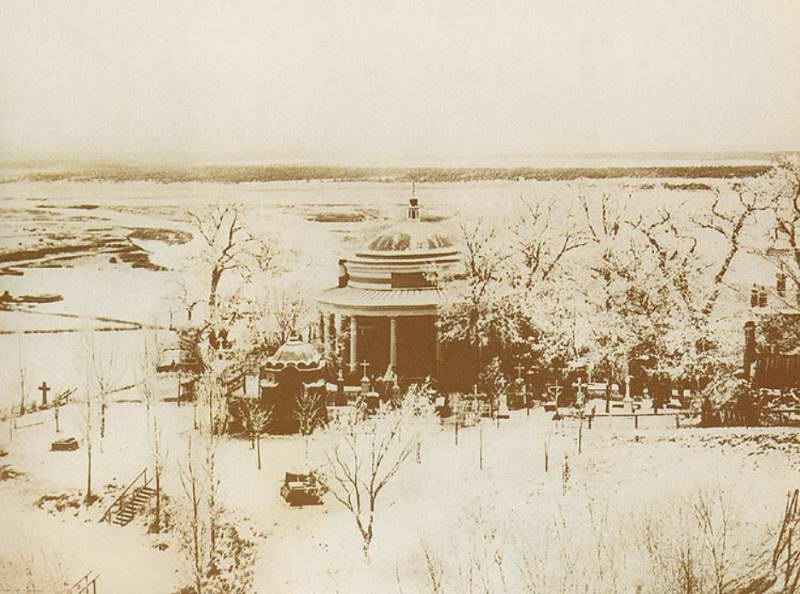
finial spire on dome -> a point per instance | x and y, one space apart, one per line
413 209
413 203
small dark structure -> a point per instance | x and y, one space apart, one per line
64 445
768 370
777 372
295 370
302 489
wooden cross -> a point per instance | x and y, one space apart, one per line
502 381
519 369
44 388
365 365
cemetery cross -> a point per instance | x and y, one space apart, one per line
44 388
365 365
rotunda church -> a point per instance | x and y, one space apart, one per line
382 316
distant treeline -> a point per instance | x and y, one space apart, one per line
252 173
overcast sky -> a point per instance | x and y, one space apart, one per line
368 81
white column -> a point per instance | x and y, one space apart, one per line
393 343
353 343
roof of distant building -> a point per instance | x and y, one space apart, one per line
295 353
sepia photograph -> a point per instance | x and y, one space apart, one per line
372 297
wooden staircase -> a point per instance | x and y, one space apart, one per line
133 506
132 501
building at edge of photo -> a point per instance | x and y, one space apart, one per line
381 319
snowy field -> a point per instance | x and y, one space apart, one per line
442 503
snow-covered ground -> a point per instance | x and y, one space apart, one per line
437 503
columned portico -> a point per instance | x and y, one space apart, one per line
405 341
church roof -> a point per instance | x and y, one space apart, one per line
368 299
396 271
295 353
411 235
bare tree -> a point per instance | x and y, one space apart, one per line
22 374
88 433
199 512
540 243
481 309
213 503
654 294
229 257
211 398
256 418
785 562
308 415
225 243
158 450
288 308
194 528
729 222
363 458
785 254
104 372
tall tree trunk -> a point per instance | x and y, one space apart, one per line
198 569
216 275
258 449
88 471
158 500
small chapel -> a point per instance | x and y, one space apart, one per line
380 321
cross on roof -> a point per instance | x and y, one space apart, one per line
519 369
365 365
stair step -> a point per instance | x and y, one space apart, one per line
148 490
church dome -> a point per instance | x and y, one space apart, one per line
411 235
406 256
